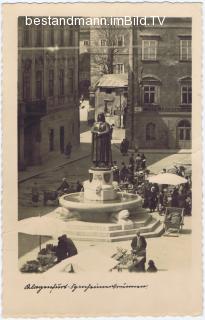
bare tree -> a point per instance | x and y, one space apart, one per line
104 53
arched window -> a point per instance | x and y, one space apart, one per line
184 130
150 131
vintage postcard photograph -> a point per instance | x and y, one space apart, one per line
102 196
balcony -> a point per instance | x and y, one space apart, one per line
161 109
32 108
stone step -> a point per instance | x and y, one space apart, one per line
88 226
156 233
154 229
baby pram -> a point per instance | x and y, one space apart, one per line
173 220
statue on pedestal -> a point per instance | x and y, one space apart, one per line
101 143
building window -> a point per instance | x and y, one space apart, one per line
61 37
120 41
61 82
71 80
186 94
150 132
103 42
185 49
26 37
39 83
26 86
149 50
38 37
184 130
86 42
52 40
150 94
71 36
51 83
118 68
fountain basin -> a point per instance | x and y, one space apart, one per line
97 211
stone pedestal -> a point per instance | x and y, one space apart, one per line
100 185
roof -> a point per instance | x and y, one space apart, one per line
113 81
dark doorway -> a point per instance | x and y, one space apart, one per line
62 139
51 140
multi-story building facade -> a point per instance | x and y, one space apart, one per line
48 113
84 61
160 86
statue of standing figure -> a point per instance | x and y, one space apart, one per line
101 143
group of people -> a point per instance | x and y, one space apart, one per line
66 248
139 245
157 197
131 172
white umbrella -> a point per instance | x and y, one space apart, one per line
42 226
167 178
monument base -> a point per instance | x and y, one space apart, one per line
100 185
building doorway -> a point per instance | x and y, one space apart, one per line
51 139
62 139
184 135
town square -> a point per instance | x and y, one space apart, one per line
104 147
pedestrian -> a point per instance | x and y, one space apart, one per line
116 172
143 161
132 161
181 199
126 143
68 150
79 186
35 194
123 172
152 199
138 162
175 198
64 187
122 147
160 202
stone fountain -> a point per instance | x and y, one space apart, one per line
101 212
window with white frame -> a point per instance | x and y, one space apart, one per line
118 68
103 42
86 42
150 94
149 49
185 49
186 94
